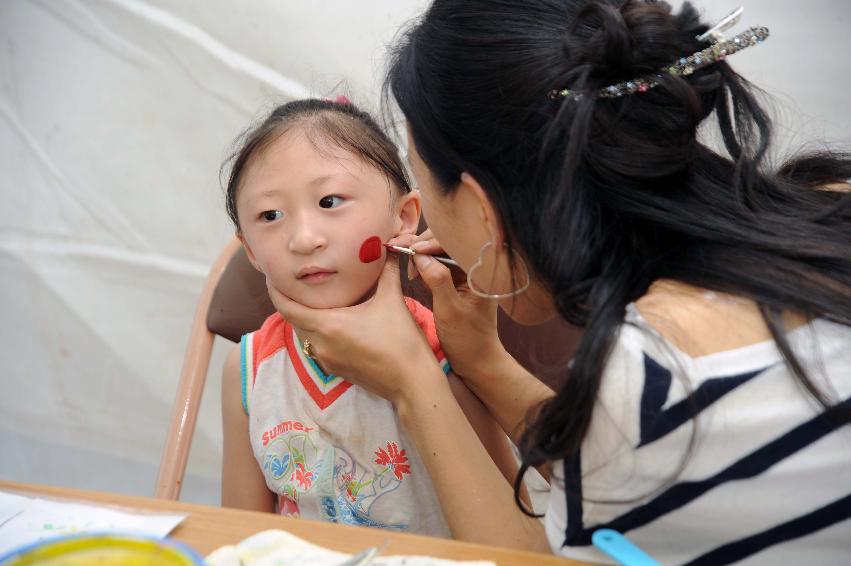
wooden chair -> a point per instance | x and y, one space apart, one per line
234 302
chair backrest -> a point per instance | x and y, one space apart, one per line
240 303
234 302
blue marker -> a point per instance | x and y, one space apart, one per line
621 549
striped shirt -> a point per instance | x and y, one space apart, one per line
767 481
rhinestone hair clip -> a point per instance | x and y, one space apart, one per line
720 49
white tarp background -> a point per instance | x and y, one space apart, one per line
115 116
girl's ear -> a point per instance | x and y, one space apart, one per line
249 253
408 209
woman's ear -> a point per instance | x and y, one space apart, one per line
482 205
249 253
408 208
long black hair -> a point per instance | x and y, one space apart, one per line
601 196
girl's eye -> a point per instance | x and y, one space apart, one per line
271 215
331 201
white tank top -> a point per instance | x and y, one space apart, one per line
330 450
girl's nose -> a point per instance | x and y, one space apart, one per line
306 238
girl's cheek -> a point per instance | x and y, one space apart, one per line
370 250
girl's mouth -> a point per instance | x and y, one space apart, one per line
314 275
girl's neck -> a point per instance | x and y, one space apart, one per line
300 334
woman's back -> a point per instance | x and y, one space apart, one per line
763 465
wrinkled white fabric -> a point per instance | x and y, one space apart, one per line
115 116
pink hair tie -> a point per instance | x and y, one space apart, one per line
342 99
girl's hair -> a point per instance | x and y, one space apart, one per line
605 196
338 123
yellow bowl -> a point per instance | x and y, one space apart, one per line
103 550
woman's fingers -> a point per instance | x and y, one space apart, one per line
424 243
427 243
438 278
430 247
389 282
403 240
302 317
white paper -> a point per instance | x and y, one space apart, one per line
24 520
280 548
11 506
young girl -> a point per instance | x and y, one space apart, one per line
314 192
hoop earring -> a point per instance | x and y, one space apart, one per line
494 296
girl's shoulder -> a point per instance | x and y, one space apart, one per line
425 320
270 338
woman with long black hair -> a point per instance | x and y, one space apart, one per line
704 415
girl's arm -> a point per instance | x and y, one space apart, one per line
243 485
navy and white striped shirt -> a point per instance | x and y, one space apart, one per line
768 480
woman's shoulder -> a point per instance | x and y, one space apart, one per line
838 187
672 340
680 346
699 322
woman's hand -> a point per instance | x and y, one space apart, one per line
466 324
466 327
374 344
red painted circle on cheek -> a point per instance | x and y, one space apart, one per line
370 250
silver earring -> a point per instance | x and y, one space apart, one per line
494 296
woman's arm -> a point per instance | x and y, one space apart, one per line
476 500
243 485
490 434
466 326
508 391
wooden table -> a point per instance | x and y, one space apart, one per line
206 528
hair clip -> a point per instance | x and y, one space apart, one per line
720 49
716 32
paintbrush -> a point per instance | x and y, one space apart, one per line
410 252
